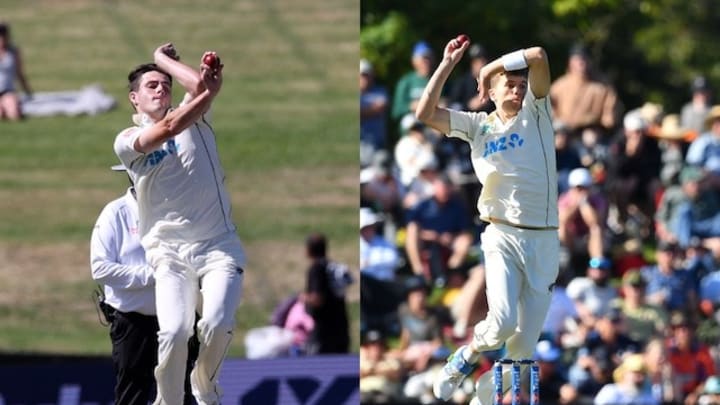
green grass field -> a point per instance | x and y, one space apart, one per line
287 127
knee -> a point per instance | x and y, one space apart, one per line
175 336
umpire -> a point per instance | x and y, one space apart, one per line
127 301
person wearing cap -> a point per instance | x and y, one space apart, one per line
593 294
605 344
567 154
117 263
698 216
381 373
693 113
582 214
581 97
691 360
710 393
514 159
704 151
643 320
411 85
634 163
463 93
421 186
413 149
185 222
630 385
552 378
669 285
11 70
374 104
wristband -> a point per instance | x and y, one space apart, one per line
514 61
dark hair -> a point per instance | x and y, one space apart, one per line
135 74
4 30
316 245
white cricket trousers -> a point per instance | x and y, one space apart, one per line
184 273
521 266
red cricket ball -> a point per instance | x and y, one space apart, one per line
211 60
462 38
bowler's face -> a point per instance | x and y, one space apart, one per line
154 94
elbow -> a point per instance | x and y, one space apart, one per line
423 113
535 53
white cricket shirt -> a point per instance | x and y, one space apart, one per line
117 259
514 161
180 190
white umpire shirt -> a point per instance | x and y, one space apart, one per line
515 162
180 186
118 261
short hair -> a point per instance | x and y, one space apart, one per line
4 30
316 245
522 72
136 74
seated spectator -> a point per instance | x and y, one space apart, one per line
699 215
600 355
552 375
630 386
421 187
695 111
374 105
593 150
691 361
567 156
470 305
672 141
301 324
420 337
463 95
379 259
668 285
710 291
592 294
663 384
412 150
562 309
582 218
644 321
411 85
633 176
667 214
380 190
704 151
438 236
380 373
11 70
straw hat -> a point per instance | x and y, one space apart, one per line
670 128
713 114
631 363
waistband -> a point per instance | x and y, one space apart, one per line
531 228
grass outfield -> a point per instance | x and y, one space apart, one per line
287 127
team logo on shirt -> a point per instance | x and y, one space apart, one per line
503 143
152 159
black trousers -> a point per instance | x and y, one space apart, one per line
135 355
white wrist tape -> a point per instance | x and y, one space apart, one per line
514 61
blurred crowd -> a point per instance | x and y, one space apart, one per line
635 310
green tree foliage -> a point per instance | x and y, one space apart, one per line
649 49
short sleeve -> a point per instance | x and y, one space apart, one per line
124 148
464 124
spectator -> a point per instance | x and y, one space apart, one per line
411 85
421 187
668 285
438 237
630 386
380 373
582 214
674 196
412 150
693 113
671 137
581 97
593 149
705 150
380 190
691 360
463 92
710 394
698 216
374 104
379 259
601 354
11 70
634 167
325 301
552 376
567 156
562 309
664 386
470 305
593 294
644 321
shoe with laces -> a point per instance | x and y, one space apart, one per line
452 374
